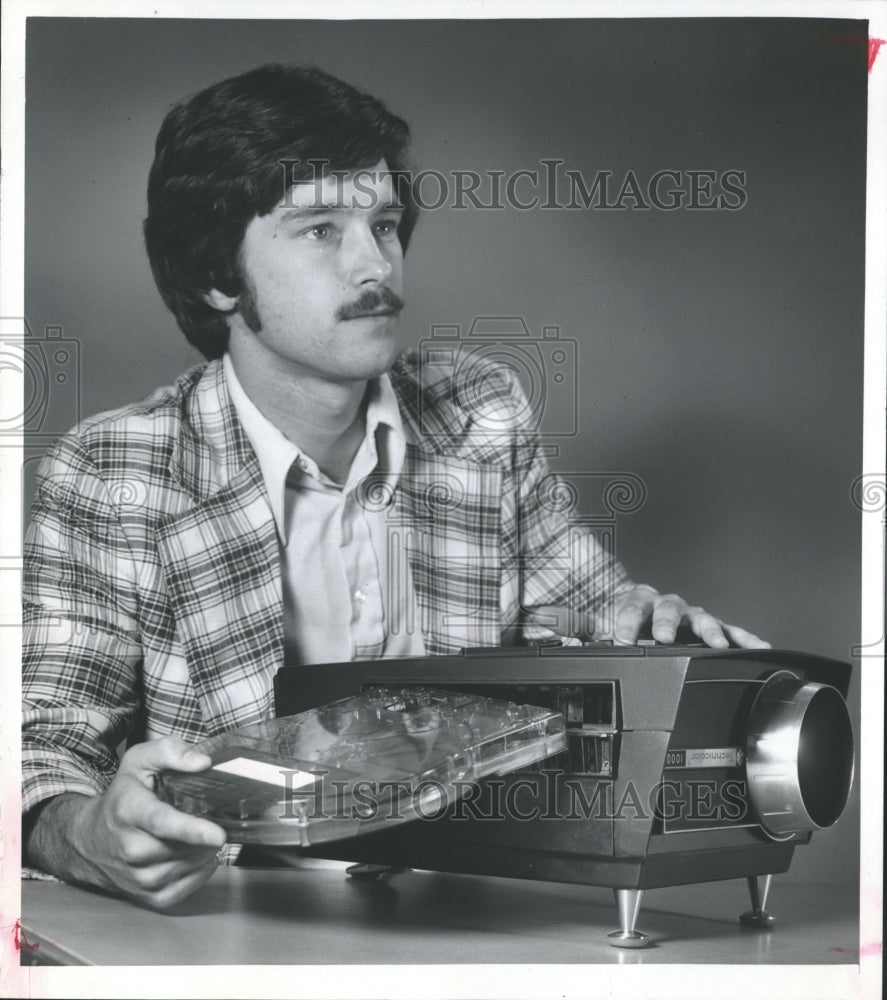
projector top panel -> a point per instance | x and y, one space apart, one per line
648 678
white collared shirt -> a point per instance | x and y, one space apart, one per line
337 601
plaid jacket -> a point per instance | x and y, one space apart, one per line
152 596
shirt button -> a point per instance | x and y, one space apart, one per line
359 596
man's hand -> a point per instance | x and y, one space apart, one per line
126 840
642 608
665 613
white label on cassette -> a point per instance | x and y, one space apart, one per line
260 770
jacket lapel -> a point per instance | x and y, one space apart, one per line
445 520
447 514
222 563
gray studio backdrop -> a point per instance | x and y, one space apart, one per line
717 353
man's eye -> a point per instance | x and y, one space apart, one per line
320 232
386 227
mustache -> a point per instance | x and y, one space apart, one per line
373 300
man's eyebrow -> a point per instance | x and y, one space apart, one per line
313 211
309 212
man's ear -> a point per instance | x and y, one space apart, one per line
219 300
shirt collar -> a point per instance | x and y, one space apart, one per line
383 446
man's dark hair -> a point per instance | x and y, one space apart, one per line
217 166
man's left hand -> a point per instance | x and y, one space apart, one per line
665 613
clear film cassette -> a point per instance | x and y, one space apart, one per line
359 764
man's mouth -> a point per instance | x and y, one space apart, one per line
372 302
376 312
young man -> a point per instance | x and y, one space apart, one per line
185 547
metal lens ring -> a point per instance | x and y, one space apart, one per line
799 755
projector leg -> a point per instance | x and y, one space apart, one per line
366 870
629 903
758 916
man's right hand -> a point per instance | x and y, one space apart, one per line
126 840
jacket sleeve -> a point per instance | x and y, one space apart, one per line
81 649
567 560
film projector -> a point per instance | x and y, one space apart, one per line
682 765
630 767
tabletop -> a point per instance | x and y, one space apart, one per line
314 913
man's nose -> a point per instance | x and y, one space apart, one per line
364 259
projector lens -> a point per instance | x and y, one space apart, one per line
799 755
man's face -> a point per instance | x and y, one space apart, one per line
323 276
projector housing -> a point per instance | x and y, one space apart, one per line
684 764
